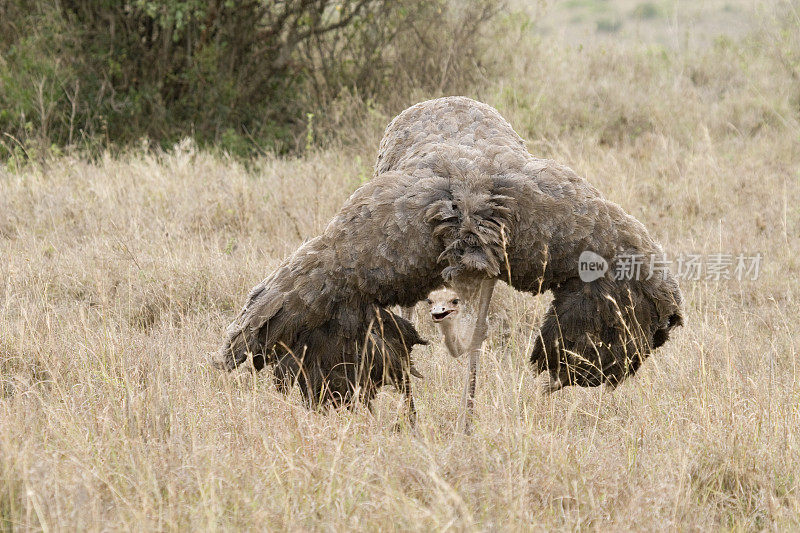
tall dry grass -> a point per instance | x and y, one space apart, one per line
119 276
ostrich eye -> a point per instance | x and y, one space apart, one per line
429 301
455 302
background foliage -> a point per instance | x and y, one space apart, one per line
241 74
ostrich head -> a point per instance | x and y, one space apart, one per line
444 305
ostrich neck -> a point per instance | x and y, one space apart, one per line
451 339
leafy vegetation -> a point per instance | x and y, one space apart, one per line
240 74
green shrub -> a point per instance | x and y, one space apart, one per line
609 24
646 11
244 74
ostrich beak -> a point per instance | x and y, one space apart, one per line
440 313
414 372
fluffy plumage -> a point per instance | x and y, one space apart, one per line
455 197
527 220
321 317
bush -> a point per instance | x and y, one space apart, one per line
646 11
609 24
100 72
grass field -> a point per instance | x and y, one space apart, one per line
118 276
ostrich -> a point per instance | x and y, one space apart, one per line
457 199
453 322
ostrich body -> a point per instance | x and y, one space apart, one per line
455 198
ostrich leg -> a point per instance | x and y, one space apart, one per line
410 409
474 349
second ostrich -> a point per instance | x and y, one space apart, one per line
445 310
455 198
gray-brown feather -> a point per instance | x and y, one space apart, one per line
594 332
455 196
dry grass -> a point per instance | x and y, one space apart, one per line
119 276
